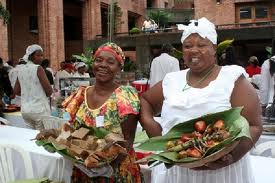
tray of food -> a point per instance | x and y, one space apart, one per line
91 149
11 108
269 129
198 141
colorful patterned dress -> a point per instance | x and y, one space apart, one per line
122 102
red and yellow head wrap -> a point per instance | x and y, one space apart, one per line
114 49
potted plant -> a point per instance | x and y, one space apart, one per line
127 76
88 58
134 30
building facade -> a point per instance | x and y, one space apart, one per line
235 11
63 27
242 15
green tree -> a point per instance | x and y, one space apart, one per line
117 14
4 14
160 17
86 57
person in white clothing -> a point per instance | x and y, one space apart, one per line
162 65
13 77
147 25
202 89
65 72
81 73
33 86
267 83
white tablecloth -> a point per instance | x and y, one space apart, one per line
45 164
266 151
15 118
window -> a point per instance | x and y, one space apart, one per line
245 13
33 24
261 12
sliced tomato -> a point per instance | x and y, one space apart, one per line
194 153
200 126
185 137
218 125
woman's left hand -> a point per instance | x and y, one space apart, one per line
220 163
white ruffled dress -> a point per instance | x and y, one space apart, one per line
180 106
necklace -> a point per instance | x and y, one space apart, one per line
199 81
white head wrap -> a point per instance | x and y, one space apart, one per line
203 27
272 58
79 64
31 49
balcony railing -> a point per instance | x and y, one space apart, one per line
177 15
250 1
246 25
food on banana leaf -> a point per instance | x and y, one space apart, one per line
81 146
198 140
197 143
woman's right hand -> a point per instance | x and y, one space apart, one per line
45 134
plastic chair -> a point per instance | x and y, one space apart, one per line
51 122
6 162
261 148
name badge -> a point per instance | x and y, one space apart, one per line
99 120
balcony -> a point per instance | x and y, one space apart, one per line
247 25
250 1
177 15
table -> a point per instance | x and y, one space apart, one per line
264 146
15 118
44 164
263 169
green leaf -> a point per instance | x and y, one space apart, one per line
49 148
140 137
223 45
173 156
238 127
40 180
157 157
269 50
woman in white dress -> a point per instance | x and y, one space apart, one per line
34 87
203 88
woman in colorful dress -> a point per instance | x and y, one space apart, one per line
108 105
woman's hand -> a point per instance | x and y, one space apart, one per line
220 163
44 134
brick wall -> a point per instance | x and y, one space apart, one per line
223 13
183 4
19 32
51 30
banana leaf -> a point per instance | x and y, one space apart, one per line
223 45
54 147
236 124
140 137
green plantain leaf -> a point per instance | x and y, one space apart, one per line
238 127
173 156
159 158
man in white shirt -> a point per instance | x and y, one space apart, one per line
267 82
162 65
147 25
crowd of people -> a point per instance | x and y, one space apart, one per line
30 82
206 86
